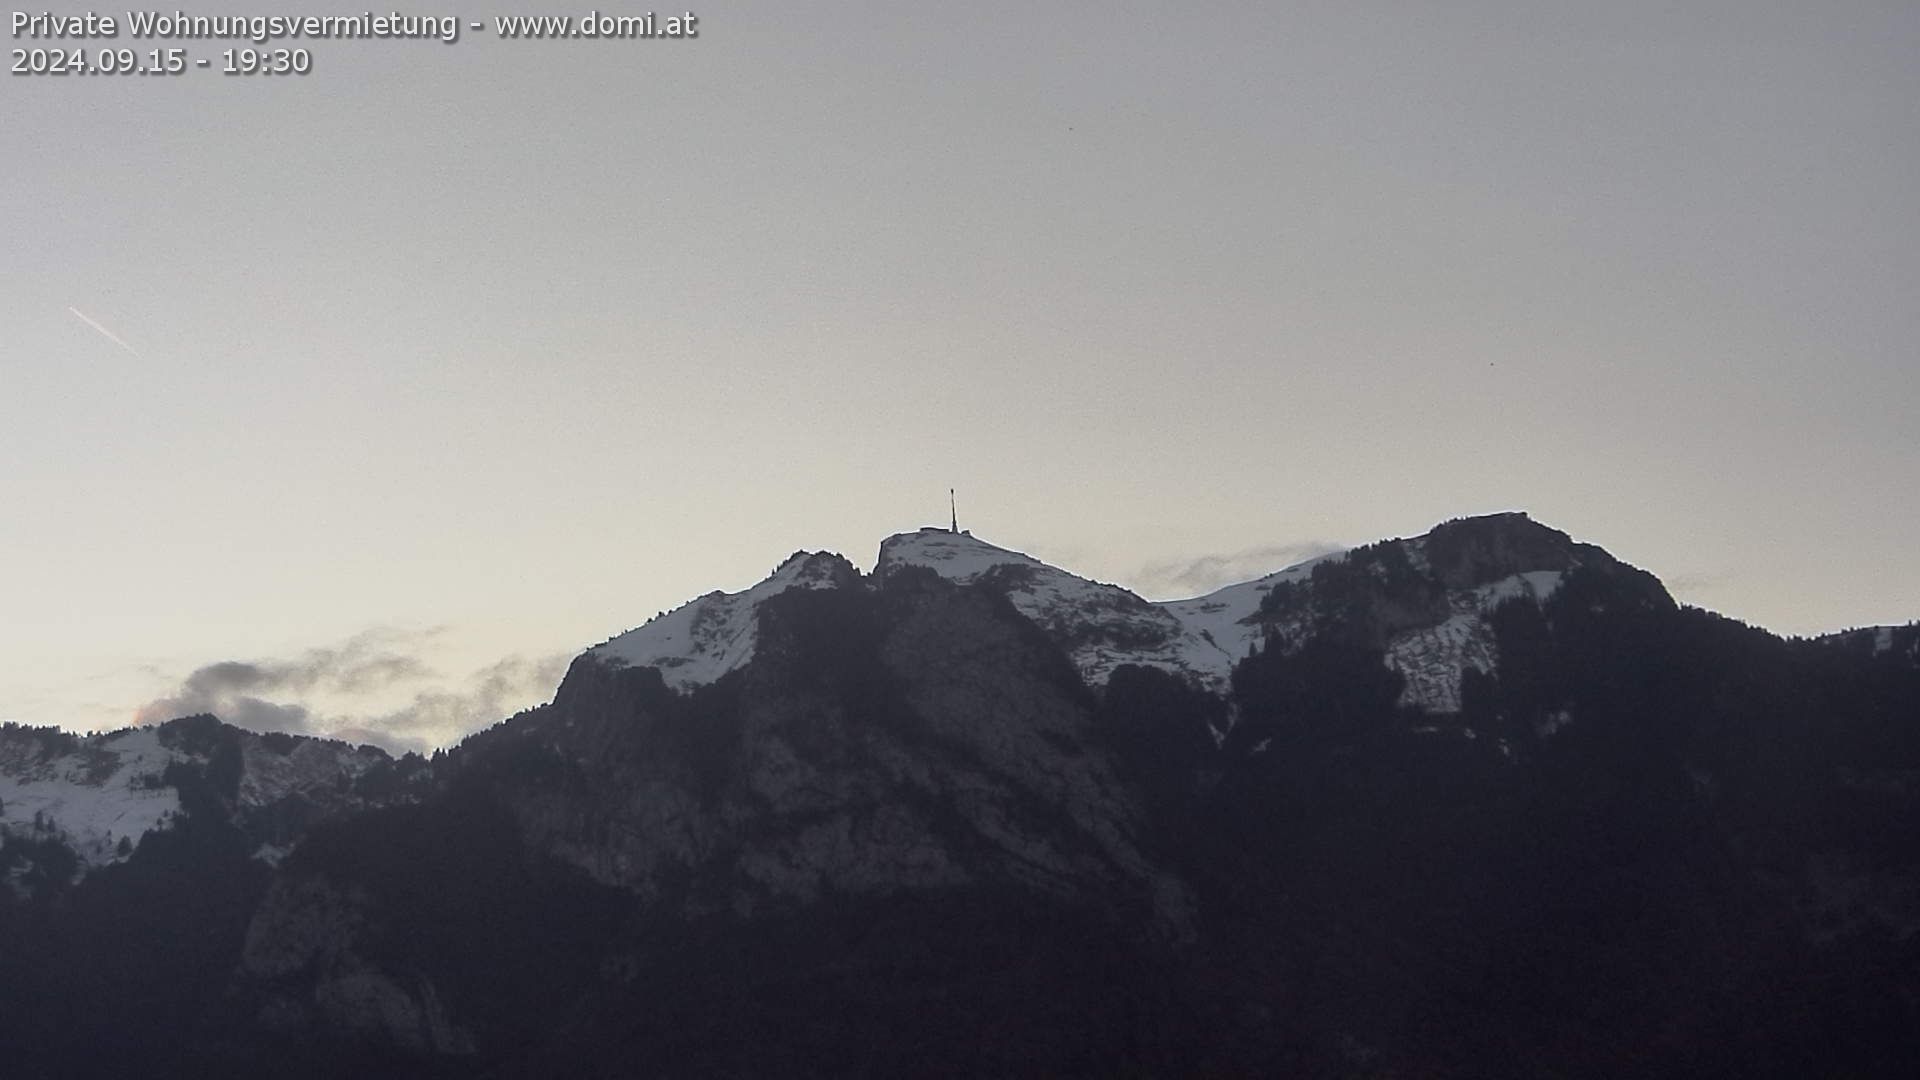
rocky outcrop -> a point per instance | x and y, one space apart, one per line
1466 553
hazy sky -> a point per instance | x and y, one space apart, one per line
443 362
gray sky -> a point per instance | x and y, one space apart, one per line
443 362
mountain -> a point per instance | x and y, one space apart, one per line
1485 801
133 863
95 798
1428 600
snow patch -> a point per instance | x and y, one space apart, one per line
1432 659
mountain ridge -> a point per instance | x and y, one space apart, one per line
1104 626
1484 801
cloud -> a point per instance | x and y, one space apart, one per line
436 717
365 662
280 695
1194 576
256 714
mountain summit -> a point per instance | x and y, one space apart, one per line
698 642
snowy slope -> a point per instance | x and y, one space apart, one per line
956 556
1099 626
1432 657
1224 620
697 642
105 791
95 793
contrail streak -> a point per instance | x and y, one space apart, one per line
106 333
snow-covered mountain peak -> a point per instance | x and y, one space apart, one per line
699 641
956 556
1099 626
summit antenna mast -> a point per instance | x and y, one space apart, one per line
954 506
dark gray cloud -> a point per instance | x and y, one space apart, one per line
232 689
267 695
1192 577
258 714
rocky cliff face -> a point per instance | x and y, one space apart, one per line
300 960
